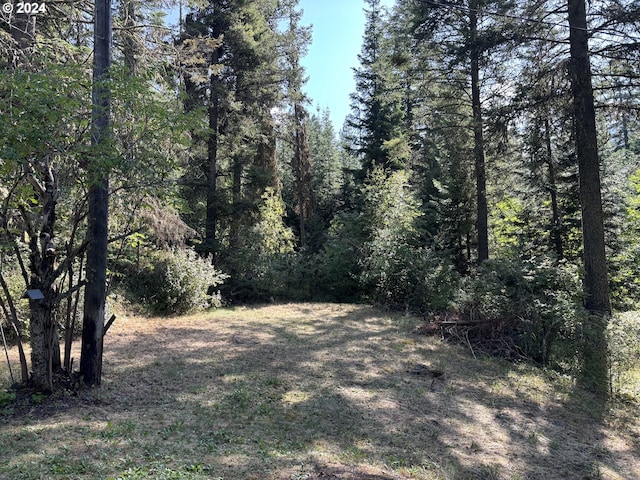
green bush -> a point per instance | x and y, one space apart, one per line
337 266
263 254
178 282
396 269
623 336
538 302
402 275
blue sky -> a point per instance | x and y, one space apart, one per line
338 27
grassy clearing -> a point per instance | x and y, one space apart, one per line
313 391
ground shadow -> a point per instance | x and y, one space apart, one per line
322 391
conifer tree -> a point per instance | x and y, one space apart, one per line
98 204
296 39
376 115
468 38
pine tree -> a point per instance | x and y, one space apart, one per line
296 39
376 115
98 204
468 37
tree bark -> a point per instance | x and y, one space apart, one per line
129 47
482 211
595 264
45 342
556 227
97 234
595 374
211 170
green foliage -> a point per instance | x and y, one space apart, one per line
377 111
624 265
187 472
271 236
338 264
6 398
396 270
263 252
178 282
507 225
623 338
536 301
327 175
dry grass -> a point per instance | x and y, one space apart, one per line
313 391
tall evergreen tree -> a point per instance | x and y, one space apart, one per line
296 39
98 203
376 115
469 35
595 370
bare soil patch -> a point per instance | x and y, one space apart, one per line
313 391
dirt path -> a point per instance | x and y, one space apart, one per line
313 391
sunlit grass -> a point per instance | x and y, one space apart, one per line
311 391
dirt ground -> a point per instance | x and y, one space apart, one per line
312 391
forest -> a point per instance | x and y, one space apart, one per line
488 175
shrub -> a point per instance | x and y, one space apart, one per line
537 302
178 282
263 254
623 336
396 270
413 277
337 263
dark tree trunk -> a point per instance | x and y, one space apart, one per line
97 234
302 172
595 368
211 169
482 212
556 227
595 264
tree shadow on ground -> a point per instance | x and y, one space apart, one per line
306 392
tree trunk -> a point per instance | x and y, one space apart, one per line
211 170
44 335
482 212
129 47
12 315
596 281
556 227
45 343
97 234
595 370
302 172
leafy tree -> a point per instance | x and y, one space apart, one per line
38 166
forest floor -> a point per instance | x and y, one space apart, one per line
313 391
